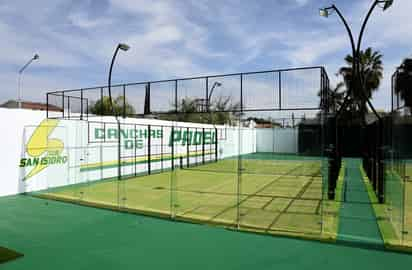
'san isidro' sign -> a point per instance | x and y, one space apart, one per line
138 138
44 148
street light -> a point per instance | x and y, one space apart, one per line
216 84
35 57
387 5
357 76
325 12
123 47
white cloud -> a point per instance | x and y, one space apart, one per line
302 2
176 38
311 50
83 21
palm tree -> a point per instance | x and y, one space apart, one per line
334 97
370 72
403 82
222 111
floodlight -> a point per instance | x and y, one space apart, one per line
388 4
124 46
36 56
323 12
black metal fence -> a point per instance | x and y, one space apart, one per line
266 168
398 160
295 89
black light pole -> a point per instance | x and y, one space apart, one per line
123 47
209 97
35 57
357 78
216 84
325 12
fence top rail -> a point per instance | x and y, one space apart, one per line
321 68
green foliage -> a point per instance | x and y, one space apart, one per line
334 97
220 112
102 107
371 74
220 108
403 82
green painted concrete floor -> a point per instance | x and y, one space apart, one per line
357 220
55 235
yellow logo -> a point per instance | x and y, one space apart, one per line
43 150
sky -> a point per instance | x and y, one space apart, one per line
181 38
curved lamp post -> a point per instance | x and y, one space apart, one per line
35 57
123 47
357 76
325 12
215 84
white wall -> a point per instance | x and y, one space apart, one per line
82 150
277 140
73 141
12 147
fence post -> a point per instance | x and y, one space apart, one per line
203 145
119 157
176 100
81 104
63 103
47 105
280 89
216 148
149 167
207 94
332 176
101 101
187 147
173 149
161 151
68 107
124 101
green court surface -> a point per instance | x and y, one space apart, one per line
56 235
358 224
408 207
263 194
395 216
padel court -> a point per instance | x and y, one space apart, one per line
57 235
272 194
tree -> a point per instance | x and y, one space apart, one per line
403 82
221 112
371 73
102 107
334 98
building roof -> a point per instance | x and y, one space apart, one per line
13 104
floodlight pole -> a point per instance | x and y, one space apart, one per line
35 57
356 53
215 84
357 76
123 47
110 78
213 88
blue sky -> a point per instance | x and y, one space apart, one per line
169 39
